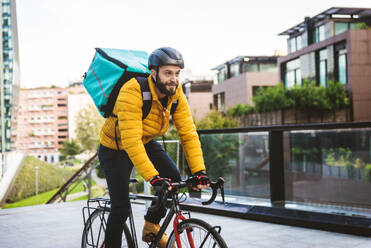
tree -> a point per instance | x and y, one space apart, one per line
70 149
216 120
88 123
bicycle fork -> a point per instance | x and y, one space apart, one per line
178 217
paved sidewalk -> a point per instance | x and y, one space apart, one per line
60 226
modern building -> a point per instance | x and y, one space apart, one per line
42 125
9 76
333 45
238 80
199 96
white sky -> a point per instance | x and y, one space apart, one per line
57 37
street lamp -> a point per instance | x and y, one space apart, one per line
37 184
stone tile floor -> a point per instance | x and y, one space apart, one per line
60 226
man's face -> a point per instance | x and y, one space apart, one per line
167 79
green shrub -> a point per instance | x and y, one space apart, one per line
49 177
271 98
308 97
215 120
336 95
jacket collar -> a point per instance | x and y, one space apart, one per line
153 92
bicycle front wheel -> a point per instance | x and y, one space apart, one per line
195 233
95 229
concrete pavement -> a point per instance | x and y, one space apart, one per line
60 226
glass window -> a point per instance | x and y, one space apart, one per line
342 66
323 73
323 68
222 75
293 45
321 33
341 27
268 67
315 35
235 69
293 73
298 42
250 68
219 101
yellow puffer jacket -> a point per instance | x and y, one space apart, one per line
133 132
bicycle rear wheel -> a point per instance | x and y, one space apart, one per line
195 233
95 228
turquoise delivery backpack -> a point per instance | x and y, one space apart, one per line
110 70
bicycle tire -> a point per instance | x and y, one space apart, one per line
94 231
200 238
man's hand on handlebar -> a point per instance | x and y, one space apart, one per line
200 181
165 183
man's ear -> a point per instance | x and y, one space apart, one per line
153 73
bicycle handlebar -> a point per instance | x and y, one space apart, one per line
163 193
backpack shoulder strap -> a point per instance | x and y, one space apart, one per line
146 96
173 107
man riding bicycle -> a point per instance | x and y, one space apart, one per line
131 143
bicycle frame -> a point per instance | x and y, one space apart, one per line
174 210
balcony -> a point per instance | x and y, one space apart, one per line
43 133
41 121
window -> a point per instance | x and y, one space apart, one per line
323 78
341 27
250 68
222 74
268 68
319 34
219 101
235 69
295 44
341 63
293 73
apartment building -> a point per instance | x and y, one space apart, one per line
9 76
42 124
333 45
237 80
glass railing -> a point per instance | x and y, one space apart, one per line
324 167
242 160
329 167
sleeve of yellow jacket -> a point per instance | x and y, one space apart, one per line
129 113
188 135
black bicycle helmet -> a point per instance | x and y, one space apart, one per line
165 56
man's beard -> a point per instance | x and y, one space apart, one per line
161 86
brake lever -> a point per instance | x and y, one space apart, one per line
214 186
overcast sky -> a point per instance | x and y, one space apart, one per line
57 37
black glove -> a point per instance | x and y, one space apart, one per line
199 178
165 183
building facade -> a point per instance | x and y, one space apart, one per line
334 45
238 80
78 99
199 96
9 73
42 125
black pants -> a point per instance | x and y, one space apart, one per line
117 168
